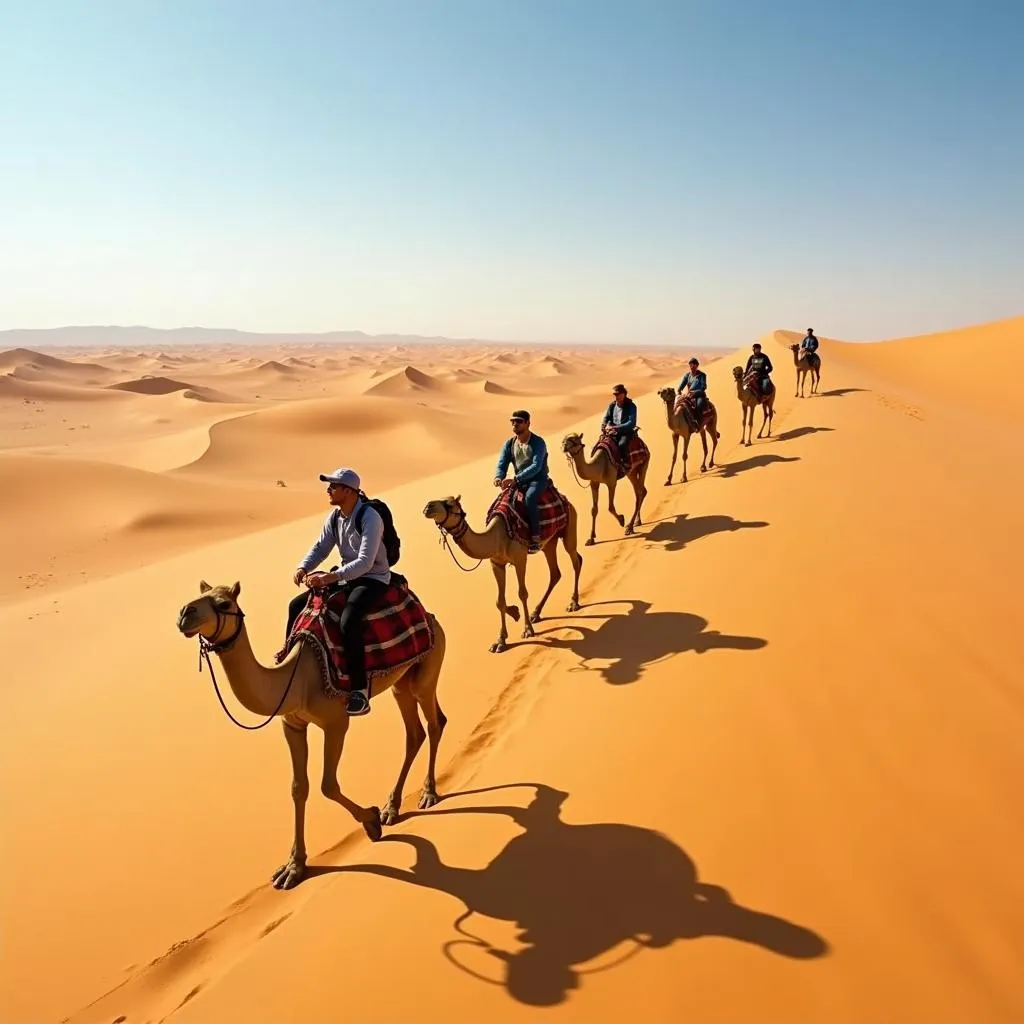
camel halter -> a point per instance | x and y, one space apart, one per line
208 647
572 463
457 533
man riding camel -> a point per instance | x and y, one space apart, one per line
695 383
762 366
619 421
529 454
809 345
356 530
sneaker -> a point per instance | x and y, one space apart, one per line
358 703
534 546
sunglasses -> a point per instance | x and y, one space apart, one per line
517 420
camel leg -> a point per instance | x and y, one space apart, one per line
621 520
414 737
524 596
764 420
288 875
640 492
675 449
704 445
743 429
334 744
594 496
554 575
499 578
686 449
576 559
436 721
715 436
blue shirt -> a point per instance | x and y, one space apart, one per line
362 554
535 469
623 417
698 382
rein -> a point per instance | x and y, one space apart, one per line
208 647
572 466
457 534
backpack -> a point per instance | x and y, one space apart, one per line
392 542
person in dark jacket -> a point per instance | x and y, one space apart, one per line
528 453
762 366
620 420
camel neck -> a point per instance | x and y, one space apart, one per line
258 688
479 545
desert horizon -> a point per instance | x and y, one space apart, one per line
785 717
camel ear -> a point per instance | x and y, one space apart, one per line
204 587
458 498
236 589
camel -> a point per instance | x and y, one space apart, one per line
803 364
680 427
750 402
295 689
501 550
602 470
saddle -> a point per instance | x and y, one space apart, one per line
636 451
396 632
752 382
510 507
687 406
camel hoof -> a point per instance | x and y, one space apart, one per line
287 876
428 799
629 531
528 632
668 483
497 648
703 469
573 606
590 542
535 615
390 815
373 827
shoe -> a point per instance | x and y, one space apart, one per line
534 546
358 703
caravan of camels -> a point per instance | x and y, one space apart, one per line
367 632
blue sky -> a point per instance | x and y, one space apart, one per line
650 172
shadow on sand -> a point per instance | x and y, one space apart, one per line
727 469
838 392
674 533
795 432
637 639
577 892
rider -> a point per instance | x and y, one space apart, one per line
529 454
762 366
364 572
620 420
696 382
810 343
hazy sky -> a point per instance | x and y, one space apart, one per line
535 169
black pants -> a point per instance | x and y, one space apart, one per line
361 595
622 439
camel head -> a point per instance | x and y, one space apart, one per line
572 443
737 372
668 396
213 615
447 513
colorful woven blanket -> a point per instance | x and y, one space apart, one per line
637 451
553 513
396 633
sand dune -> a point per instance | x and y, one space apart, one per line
405 381
784 719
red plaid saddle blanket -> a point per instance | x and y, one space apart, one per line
637 451
686 404
396 633
552 509
752 383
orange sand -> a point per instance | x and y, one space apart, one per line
770 771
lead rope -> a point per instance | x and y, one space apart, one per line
443 540
204 652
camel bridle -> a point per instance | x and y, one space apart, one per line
457 532
208 646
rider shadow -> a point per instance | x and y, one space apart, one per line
795 432
729 469
675 533
576 892
639 638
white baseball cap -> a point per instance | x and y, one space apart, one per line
344 476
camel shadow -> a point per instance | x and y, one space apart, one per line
577 892
839 392
639 638
795 432
675 532
729 469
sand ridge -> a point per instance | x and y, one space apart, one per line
754 753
